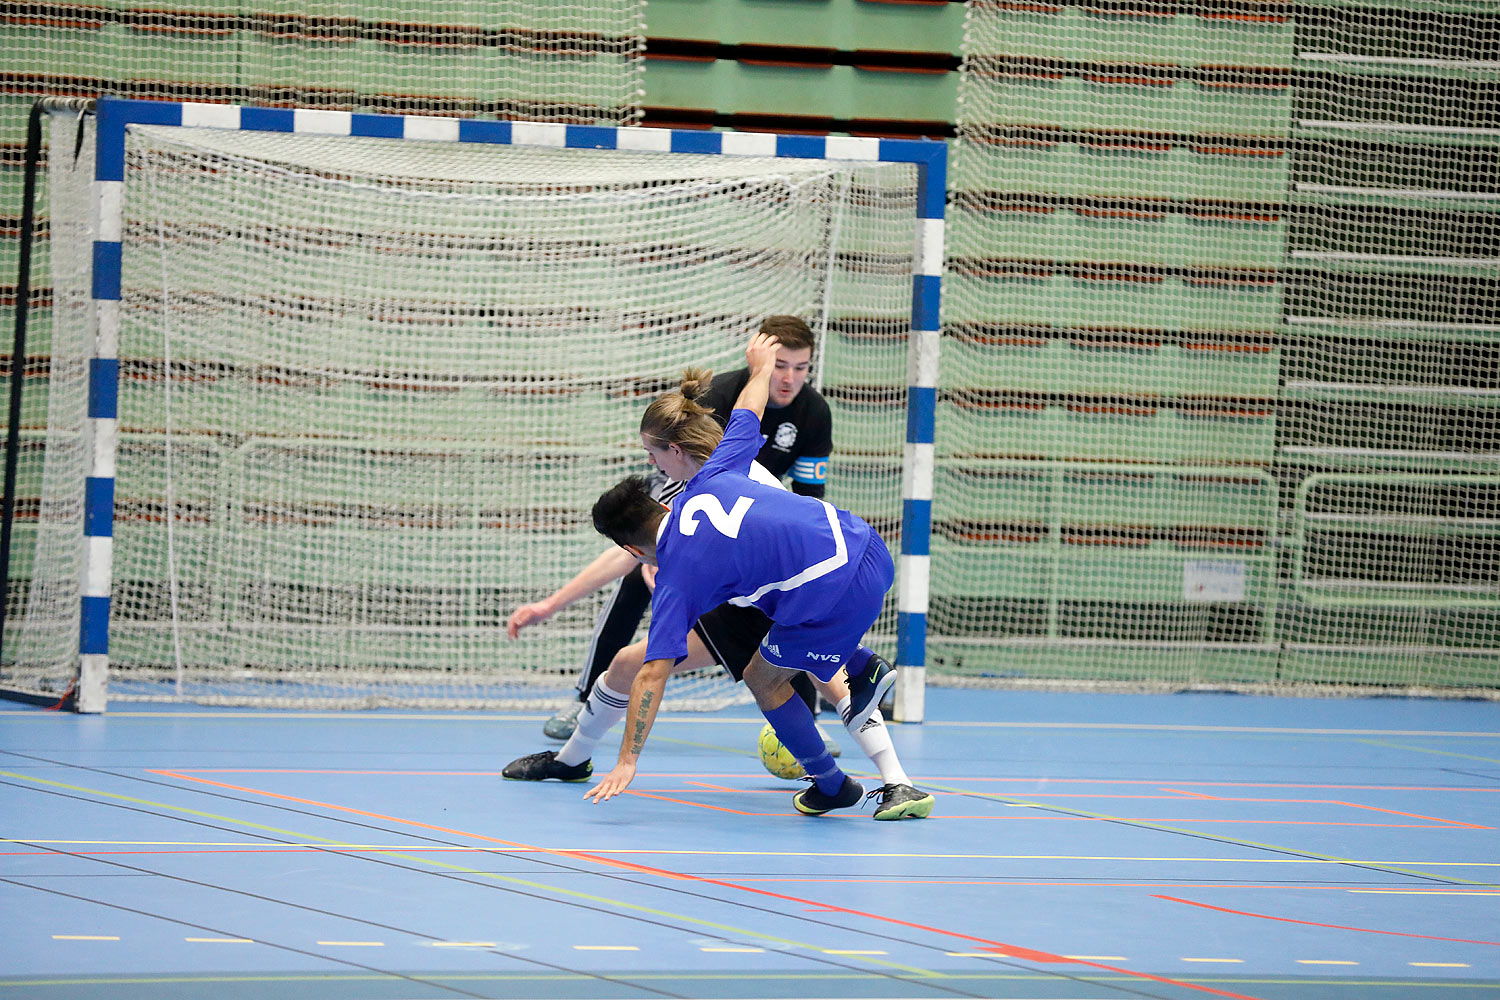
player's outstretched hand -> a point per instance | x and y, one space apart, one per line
615 782
527 614
648 576
760 353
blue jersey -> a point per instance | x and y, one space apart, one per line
730 539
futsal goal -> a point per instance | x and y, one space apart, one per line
332 393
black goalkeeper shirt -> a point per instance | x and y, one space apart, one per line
798 436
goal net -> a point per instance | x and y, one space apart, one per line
369 389
1219 382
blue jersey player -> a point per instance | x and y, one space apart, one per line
798 431
819 573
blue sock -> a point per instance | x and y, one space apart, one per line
798 733
857 662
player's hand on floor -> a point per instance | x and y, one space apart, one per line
615 782
526 614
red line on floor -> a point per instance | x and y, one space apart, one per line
955 780
664 873
394 819
696 805
1459 824
1174 791
1337 927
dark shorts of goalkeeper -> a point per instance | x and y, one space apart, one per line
732 634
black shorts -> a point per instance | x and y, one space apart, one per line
732 635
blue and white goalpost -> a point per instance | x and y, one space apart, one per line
432 307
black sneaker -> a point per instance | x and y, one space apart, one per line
901 802
544 765
866 690
812 802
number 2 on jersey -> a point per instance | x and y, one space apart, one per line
725 522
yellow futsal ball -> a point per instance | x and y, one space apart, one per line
777 758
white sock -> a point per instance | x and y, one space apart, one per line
875 740
604 708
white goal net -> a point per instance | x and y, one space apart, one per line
369 389
1220 349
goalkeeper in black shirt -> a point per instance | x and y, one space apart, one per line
798 432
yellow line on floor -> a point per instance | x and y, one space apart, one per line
462 944
331 845
621 906
695 719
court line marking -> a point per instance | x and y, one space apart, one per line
690 852
1167 727
1316 923
727 930
1434 822
685 719
1073 883
978 979
85 937
697 775
462 944
1175 791
663 873
1428 750
374 973
995 796
1160 827
649 977
1429 892
1452 823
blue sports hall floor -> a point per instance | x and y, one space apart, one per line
1082 846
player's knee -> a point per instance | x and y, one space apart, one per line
768 684
623 667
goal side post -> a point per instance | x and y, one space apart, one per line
115 116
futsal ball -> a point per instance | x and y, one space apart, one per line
777 758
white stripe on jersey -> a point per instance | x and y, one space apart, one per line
761 474
667 490
833 562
